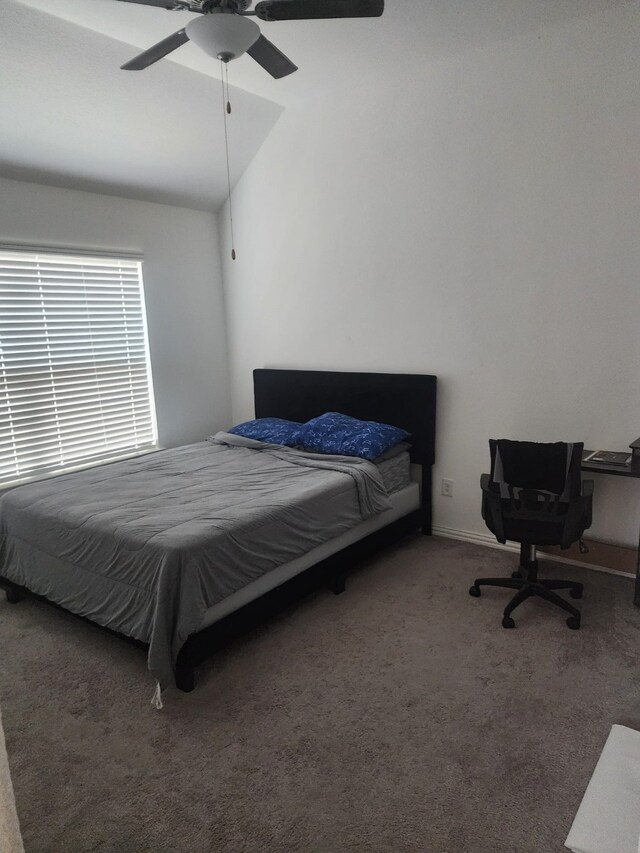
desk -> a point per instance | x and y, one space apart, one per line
618 471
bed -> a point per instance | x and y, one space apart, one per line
182 550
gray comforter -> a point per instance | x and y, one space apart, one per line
146 546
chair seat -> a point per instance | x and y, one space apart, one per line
541 533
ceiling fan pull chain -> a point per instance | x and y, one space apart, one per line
226 110
226 71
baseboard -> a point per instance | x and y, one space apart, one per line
490 542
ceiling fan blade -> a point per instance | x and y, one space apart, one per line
163 4
158 51
272 60
299 10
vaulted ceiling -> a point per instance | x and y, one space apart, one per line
71 117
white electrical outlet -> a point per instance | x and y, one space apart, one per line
447 488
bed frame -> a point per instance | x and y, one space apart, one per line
404 400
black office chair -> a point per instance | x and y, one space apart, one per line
535 496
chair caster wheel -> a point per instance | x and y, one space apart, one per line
573 622
516 575
575 593
474 591
507 622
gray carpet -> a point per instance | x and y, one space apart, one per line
399 716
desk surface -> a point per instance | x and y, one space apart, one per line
603 468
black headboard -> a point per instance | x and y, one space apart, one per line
405 400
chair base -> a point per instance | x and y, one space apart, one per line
526 583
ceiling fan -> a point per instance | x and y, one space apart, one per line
225 32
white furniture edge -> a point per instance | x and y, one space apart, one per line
10 838
608 819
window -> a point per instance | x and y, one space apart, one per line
75 376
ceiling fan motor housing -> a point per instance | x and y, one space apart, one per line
222 35
206 6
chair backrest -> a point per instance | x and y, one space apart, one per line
546 467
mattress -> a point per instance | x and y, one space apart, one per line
147 545
402 502
404 497
395 472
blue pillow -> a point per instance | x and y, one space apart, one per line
346 436
271 430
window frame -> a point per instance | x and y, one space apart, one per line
75 255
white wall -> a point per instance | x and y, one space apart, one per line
478 219
182 282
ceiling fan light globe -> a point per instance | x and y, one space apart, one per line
222 35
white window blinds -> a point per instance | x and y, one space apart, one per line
75 378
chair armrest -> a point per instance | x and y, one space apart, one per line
491 508
579 515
